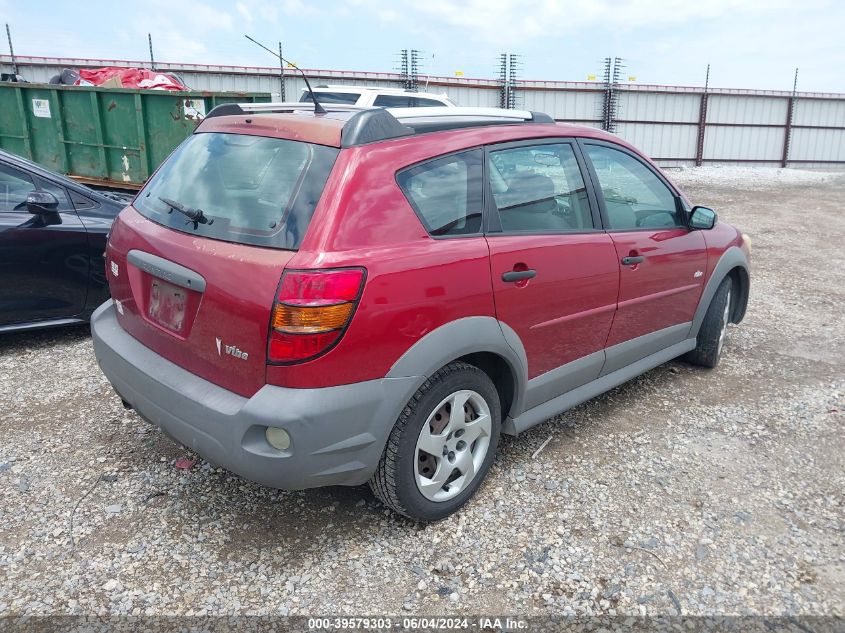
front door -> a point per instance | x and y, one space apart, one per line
661 261
554 273
43 258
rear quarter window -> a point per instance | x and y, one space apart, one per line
252 189
80 202
446 193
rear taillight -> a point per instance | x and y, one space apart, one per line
312 310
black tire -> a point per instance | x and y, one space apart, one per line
707 351
394 481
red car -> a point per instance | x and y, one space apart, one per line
374 296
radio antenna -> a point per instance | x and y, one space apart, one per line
318 108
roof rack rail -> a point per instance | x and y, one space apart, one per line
437 119
227 109
365 124
514 116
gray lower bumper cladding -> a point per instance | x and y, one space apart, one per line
337 433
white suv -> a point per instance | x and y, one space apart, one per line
379 97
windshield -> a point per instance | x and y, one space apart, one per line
251 189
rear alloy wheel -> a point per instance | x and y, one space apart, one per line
714 328
442 445
452 445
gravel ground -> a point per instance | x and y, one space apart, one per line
705 492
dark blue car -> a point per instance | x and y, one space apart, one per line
52 237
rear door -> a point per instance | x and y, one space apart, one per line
43 258
661 261
554 272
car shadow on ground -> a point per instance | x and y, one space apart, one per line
244 514
38 339
260 517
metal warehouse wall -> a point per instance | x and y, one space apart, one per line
675 125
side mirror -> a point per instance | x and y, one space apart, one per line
703 218
41 202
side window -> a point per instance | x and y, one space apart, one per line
81 202
539 188
392 101
406 101
56 190
420 102
350 98
446 193
633 194
14 187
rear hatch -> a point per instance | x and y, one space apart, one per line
195 263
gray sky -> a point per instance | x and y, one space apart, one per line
749 43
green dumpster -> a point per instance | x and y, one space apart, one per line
105 136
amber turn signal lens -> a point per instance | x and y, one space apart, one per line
311 319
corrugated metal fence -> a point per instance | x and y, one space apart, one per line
675 125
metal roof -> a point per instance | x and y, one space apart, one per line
346 88
447 81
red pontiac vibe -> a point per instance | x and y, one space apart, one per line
370 295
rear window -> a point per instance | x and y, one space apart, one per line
252 189
350 98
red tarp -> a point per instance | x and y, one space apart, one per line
128 78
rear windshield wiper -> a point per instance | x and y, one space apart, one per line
194 215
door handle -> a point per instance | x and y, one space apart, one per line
518 275
631 260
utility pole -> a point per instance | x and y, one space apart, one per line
403 67
281 74
152 59
702 120
414 77
612 72
513 71
11 50
503 80
605 113
409 69
508 71
790 112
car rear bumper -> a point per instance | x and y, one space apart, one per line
337 433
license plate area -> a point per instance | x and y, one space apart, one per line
167 305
